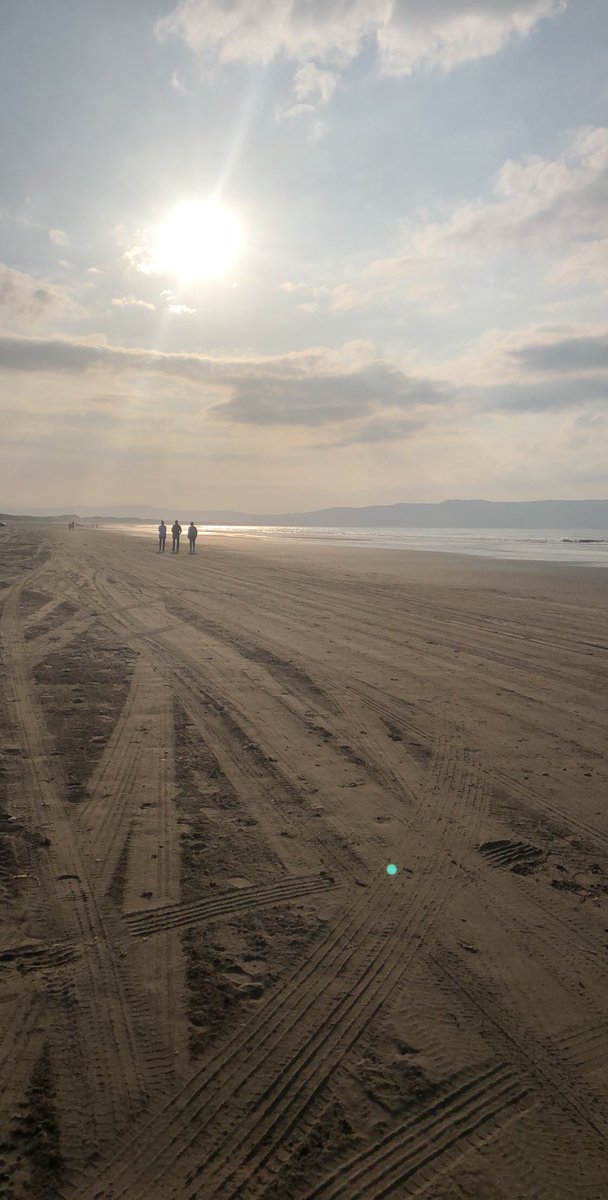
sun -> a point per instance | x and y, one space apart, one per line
199 239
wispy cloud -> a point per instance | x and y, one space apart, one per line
538 204
553 209
24 299
389 428
58 237
179 85
173 305
408 35
131 302
313 88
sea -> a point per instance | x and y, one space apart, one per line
586 546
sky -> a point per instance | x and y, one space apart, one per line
282 254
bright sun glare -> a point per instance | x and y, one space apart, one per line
198 240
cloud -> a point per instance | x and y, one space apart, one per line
339 298
24 299
173 305
18 218
317 130
308 389
131 302
536 370
118 400
178 84
137 258
383 429
313 87
350 393
547 396
581 354
538 205
58 237
321 399
407 35
587 262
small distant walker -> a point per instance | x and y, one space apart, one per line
192 536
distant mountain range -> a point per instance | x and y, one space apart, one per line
449 514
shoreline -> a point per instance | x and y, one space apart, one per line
563 550
421 567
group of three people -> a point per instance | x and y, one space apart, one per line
176 530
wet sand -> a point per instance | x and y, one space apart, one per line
209 985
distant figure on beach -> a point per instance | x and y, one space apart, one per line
162 537
175 530
192 533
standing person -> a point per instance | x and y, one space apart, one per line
162 537
175 530
192 533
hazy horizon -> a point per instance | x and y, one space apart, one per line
533 514
292 256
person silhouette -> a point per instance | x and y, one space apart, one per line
192 535
175 530
162 537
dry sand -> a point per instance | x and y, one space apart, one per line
209 985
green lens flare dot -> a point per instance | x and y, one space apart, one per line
391 869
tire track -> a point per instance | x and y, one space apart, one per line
152 868
166 1129
57 639
518 789
224 1069
336 716
411 606
586 1046
432 827
133 768
46 610
18 1029
153 865
317 690
253 772
572 1141
102 1017
484 634
38 956
310 1068
109 786
132 836
535 1057
221 702
145 922
225 709
293 1045
490 1098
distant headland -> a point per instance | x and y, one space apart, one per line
448 514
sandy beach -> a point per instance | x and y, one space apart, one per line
209 985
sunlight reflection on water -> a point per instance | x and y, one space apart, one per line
532 545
